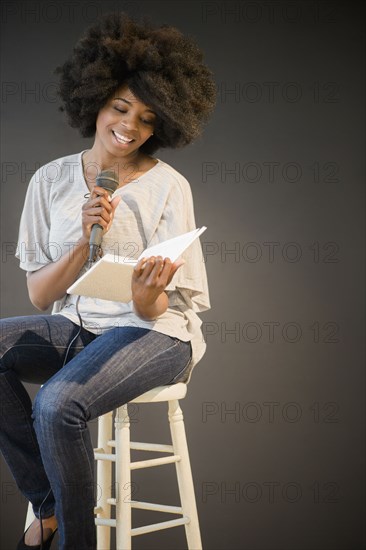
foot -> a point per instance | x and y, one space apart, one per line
33 534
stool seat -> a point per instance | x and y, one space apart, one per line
162 393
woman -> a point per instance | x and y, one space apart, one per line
136 89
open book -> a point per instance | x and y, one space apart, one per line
110 277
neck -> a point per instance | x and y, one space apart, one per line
95 160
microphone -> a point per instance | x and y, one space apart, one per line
108 180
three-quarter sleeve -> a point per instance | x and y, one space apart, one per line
191 278
33 250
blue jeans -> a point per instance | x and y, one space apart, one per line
50 447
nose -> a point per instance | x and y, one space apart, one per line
129 122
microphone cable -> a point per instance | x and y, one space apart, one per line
90 263
78 332
40 518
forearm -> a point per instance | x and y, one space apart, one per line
50 283
149 312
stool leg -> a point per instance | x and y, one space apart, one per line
123 479
104 480
184 475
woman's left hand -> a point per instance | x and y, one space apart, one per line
149 279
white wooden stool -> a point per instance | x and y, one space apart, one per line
123 466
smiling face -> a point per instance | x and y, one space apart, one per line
123 125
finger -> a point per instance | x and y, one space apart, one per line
174 269
157 269
114 203
91 220
98 212
100 191
140 266
147 268
99 201
165 271
179 262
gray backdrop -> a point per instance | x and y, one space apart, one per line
275 409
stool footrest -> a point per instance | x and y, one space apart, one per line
156 507
154 462
159 448
108 522
158 526
105 456
137 446
146 506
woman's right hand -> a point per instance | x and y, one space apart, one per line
99 209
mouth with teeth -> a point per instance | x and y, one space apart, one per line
122 139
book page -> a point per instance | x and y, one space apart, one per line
173 248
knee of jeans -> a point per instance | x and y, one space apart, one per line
55 408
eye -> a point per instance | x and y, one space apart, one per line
143 120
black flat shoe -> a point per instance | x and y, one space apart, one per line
45 546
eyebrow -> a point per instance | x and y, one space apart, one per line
129 103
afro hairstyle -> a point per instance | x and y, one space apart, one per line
163 68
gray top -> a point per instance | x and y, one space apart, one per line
154 207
